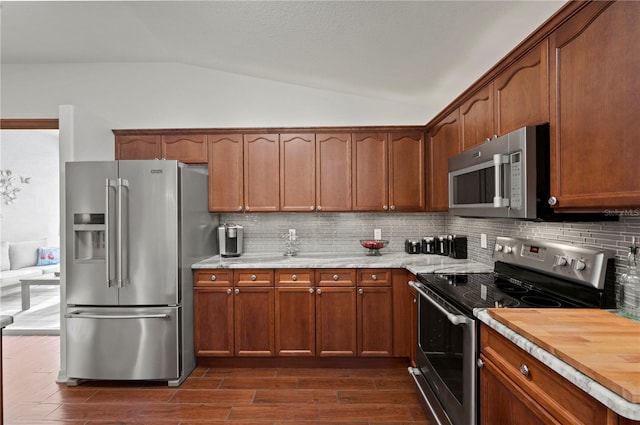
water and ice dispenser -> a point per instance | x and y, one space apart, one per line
89 237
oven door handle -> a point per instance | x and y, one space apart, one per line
456 319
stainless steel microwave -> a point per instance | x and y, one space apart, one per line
507 176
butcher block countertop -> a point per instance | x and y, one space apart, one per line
597 350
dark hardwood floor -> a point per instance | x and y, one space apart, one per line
240 396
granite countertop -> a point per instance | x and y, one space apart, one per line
5 321
415 263
584 381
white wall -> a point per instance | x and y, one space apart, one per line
35 213
169 95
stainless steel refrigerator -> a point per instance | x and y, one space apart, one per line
133 230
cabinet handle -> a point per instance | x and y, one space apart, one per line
319 291
393 207
240 208
360 291
311 290
229 291
237 291
254 277
311 208
384 207
374 277
319 208
553 201
294 277
336 277
524 370
213 277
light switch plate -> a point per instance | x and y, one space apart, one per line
377 234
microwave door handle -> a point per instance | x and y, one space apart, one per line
456 319
498 200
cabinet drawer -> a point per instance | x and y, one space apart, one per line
335 277
213 277
566 402
254 277
294 277
374 277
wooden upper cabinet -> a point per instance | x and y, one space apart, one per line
595 92
261 172
333 172
138 147
476 118
521 92
297 172
226 175
406 171
370 172
444 142
190 149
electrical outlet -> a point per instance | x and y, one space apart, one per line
483 240
377 234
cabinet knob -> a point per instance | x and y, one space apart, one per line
246 208
415 301
480 363
360 291
311 208
374 277
319 208
336 277
213 277
229 291
385 207
319 291
524 370
240 208
294 277
254 277
237 291
393 207
553 201
311 290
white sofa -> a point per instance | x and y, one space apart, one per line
19 261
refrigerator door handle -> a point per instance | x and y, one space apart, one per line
122 269
109 184
80 315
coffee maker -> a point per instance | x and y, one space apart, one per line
230 240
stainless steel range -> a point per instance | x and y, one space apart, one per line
527 273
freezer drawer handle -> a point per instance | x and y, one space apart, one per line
120 316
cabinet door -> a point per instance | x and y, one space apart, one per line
226 181
595 93
406 171
295 330
476 118
521 92
190 149
213 321
138 147
504 403
261 172
336 321
254 321
297 172
370 172
444 142
375 321
333 172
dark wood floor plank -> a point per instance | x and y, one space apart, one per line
378 397
184 412
274 413
259 383
337 383
368 412
296 397
226 397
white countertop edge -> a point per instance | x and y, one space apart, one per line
613 401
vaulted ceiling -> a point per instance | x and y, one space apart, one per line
415 52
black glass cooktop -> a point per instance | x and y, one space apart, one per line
509 288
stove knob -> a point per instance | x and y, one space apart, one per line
560 261
507 249
580 265
498 248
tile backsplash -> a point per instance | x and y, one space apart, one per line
341 232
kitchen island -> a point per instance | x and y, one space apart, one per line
595 350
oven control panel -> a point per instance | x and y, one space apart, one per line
580 264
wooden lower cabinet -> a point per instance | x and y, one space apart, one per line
375 313
517 388
254 319
213 321
295 324
336 321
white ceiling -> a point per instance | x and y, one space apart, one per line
415 52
